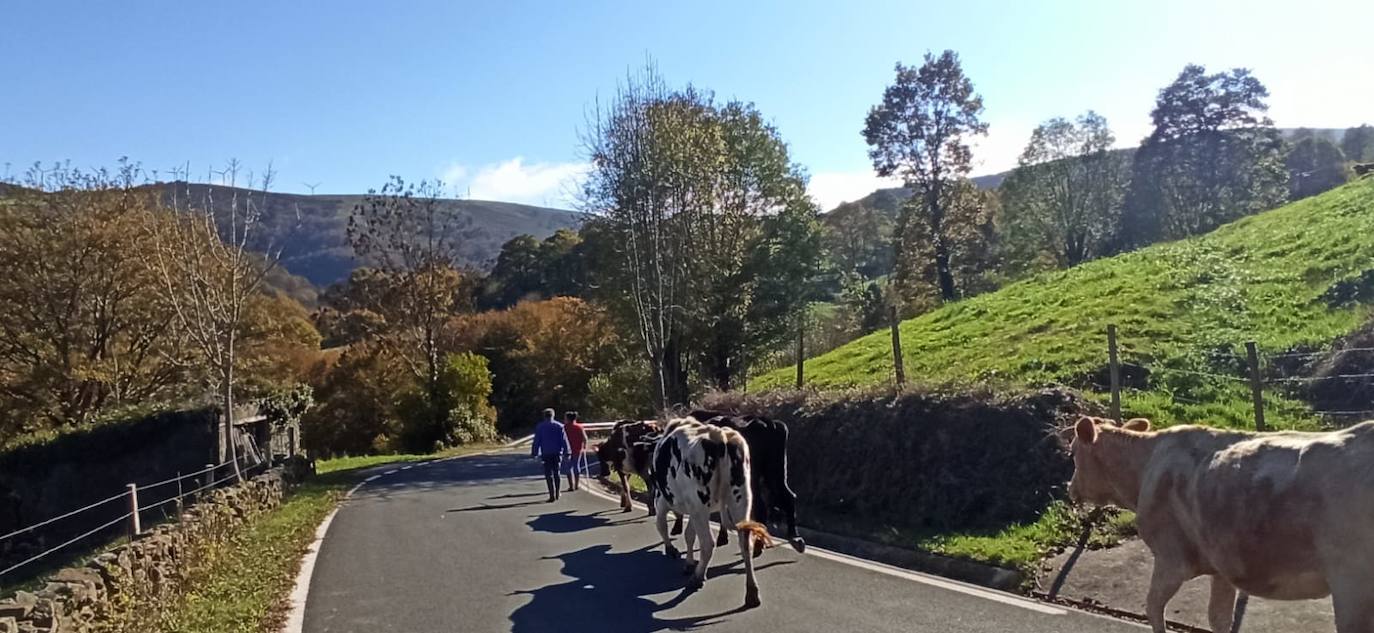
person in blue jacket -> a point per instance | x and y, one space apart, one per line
550 446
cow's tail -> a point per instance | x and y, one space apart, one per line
759 532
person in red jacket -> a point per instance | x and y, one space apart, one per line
577 441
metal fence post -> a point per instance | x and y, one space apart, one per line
180 508
801 350
1115 370
134 527
1256 384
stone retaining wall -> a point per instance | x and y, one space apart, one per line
140 574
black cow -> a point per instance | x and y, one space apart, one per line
626 453
767 440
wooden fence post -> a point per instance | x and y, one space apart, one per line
897 363
1115 370
1256 384
135 528
801 350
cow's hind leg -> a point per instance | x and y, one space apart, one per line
1165 581
661 522
691 539
625 504
751 585
1221 609
701 523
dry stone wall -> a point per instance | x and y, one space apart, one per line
142 573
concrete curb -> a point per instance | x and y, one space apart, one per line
981 574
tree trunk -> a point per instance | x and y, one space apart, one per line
674 375
942 271
230 437
937 232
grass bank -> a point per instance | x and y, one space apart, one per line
242 586
1294 278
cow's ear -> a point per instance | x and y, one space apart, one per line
1139 425
1086 430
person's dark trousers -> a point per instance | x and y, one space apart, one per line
551 475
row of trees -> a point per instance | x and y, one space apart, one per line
117 296
1212 156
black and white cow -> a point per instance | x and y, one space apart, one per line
767 439
698 468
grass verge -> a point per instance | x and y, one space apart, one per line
241 586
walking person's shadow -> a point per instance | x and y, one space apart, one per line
608 592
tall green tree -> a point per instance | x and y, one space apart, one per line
1315 165
1358 143
1063 201
1213 156
687 191
920 133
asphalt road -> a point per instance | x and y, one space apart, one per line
470 545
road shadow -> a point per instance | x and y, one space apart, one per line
498 506
566 522
607 592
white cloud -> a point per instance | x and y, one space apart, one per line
830 188
514 180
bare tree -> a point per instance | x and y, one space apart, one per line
212 257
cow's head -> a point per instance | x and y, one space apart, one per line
606 454
1092 474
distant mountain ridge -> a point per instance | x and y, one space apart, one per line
313 228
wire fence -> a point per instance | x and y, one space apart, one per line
137 500
1258 371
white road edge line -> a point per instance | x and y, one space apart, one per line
934 581
295 617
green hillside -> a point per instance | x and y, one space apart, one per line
1290 279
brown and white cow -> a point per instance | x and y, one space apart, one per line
698 468
1285 516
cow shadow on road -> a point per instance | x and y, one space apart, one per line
608 592
567 522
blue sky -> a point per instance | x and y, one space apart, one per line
491 95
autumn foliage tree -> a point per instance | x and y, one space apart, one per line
541 354
84 325
411 238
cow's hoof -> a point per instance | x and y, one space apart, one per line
751 598
722 540
799 544
672 552
625 509
695 583
677 529
758 549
